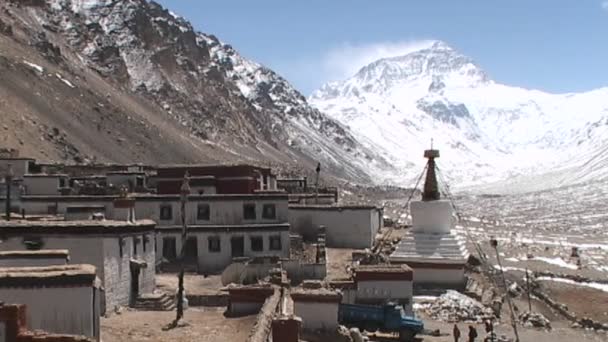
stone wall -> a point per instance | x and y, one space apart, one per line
263 326
117 281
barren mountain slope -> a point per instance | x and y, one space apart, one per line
128 81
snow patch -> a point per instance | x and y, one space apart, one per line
68 83
36 67
557 261
597 286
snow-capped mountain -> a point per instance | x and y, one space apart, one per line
486 131
144 86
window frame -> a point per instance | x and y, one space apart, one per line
168 207
274 211
198 212
258 240
247 209
271 246
210 245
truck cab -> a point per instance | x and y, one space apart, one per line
397 320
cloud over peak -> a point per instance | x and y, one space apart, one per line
345 60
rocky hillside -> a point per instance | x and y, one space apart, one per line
129 81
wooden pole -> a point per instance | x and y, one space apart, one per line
8 178
528 290
494 244
184 192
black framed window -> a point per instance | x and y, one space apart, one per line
275 243
257 243
269 211
166 212
214 243
203 212
249 211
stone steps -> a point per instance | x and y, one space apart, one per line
155 302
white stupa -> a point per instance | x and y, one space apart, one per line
436 254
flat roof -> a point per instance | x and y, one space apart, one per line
17 158
44 175
18 227
58 275
316 295
273 227
330 207
155 197
384 273
125 173
41 254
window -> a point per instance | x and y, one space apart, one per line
275 243
121 242
249 211
166 212
214 244
257 243
33 243
203 212
269 211
62 182
169 249
135 243
144 238
139 181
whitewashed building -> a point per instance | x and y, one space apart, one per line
346 226
122 252
318 308
380 284
44 184
221 226
45 257
60 299
437 255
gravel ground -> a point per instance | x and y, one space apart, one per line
207 325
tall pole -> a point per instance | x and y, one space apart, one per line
184 192
528 290
8 178
494 244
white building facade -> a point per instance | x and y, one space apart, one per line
345 226
122 252
59 299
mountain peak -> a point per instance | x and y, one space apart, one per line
440 45
434 64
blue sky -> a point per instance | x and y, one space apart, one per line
556 46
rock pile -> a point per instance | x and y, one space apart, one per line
534 319
453 306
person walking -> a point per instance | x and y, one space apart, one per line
456 333
472 333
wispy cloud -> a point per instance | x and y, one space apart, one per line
605 5
343 61
339 62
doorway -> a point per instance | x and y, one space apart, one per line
191 251
238 246
134 284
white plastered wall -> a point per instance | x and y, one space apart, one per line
432 217
317 316
61 310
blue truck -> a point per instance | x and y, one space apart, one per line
388 318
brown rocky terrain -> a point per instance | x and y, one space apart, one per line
128 81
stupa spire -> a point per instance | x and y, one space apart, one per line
431 188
